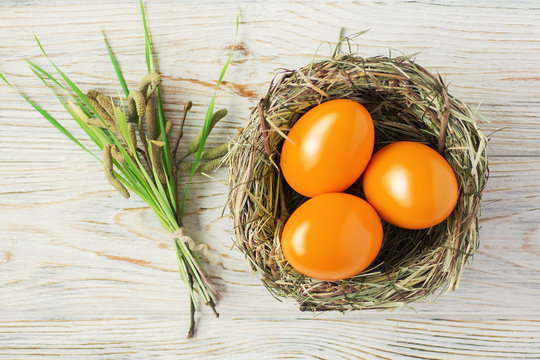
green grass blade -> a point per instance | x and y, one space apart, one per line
158 191
36 68
40 77
47 116
167 161
115 65
147 45
137 171
208 118
100 138
151 66
96 135
82 96
133 175
70 83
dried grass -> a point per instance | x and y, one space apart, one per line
407 103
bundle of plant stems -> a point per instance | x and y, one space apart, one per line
139 154
406 102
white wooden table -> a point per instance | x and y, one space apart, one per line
85 274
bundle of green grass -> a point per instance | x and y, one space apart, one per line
406 102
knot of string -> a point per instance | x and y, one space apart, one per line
200 247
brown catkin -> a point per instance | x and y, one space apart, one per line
133 137
157 149
149 83
94 122
136 105
217 116
106 104
109 172
168 128
215 152
117 155
202 166
100 110
92 96
150 117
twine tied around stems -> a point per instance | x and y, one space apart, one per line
200 248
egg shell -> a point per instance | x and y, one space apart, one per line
332 236
328 148
410 185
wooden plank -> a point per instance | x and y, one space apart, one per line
75 278
87 275
486 64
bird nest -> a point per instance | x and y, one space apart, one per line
406 102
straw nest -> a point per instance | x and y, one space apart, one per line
406 102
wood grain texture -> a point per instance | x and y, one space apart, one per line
85 274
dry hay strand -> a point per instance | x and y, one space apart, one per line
406 102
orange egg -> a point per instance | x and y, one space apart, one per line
332 236
410 185
328 148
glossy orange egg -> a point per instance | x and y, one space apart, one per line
332 236
328 148
410 185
